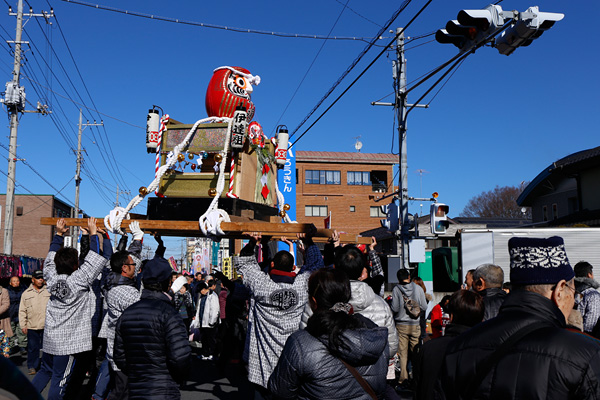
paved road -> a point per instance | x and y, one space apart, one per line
207 381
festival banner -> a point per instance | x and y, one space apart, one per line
173 264
286 180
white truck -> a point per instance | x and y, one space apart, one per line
480 246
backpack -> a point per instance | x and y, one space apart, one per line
411 306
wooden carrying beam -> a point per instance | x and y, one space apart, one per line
234 229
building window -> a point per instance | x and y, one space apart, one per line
352 209
379 181
359 178
545 213
19 210
315 211
320 177
376 212
61 213
554 211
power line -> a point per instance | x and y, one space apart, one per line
46 202
95 185
354 63
87 91
310 66
33 169
213 26
447 80
30 192
360 15
84 106
363 72
111 169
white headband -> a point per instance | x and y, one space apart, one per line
254 80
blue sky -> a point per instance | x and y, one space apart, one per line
498 121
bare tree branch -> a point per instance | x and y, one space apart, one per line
500 202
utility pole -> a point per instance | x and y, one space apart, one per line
117 205
15 103
400 106
75 213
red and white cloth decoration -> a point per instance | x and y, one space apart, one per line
163 127
230 193
264 179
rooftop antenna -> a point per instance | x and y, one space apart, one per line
358 145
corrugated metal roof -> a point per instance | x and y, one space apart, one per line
346 157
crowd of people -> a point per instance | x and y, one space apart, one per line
320 330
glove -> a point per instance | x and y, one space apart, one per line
137 233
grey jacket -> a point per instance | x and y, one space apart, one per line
589 306
368 304
118 298
274 312
68 327
413 291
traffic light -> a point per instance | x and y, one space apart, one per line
529 26
391 222
470 27
439 218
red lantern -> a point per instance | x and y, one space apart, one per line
227 90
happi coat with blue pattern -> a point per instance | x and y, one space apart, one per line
275 313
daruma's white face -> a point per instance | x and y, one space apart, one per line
239 86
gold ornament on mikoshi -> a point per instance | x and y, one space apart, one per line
282 214
286 207
143 191
191 156
180 157
218 157
212 192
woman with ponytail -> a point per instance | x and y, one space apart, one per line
340 355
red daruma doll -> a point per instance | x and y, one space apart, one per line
229 88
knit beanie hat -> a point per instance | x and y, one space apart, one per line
536 261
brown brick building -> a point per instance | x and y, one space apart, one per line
345 184
29 237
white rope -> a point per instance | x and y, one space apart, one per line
110 219
210 221
252 79
114 224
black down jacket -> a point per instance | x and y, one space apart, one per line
152 348
548 363
307 370
15 299
492 301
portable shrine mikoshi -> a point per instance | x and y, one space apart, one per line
217 177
